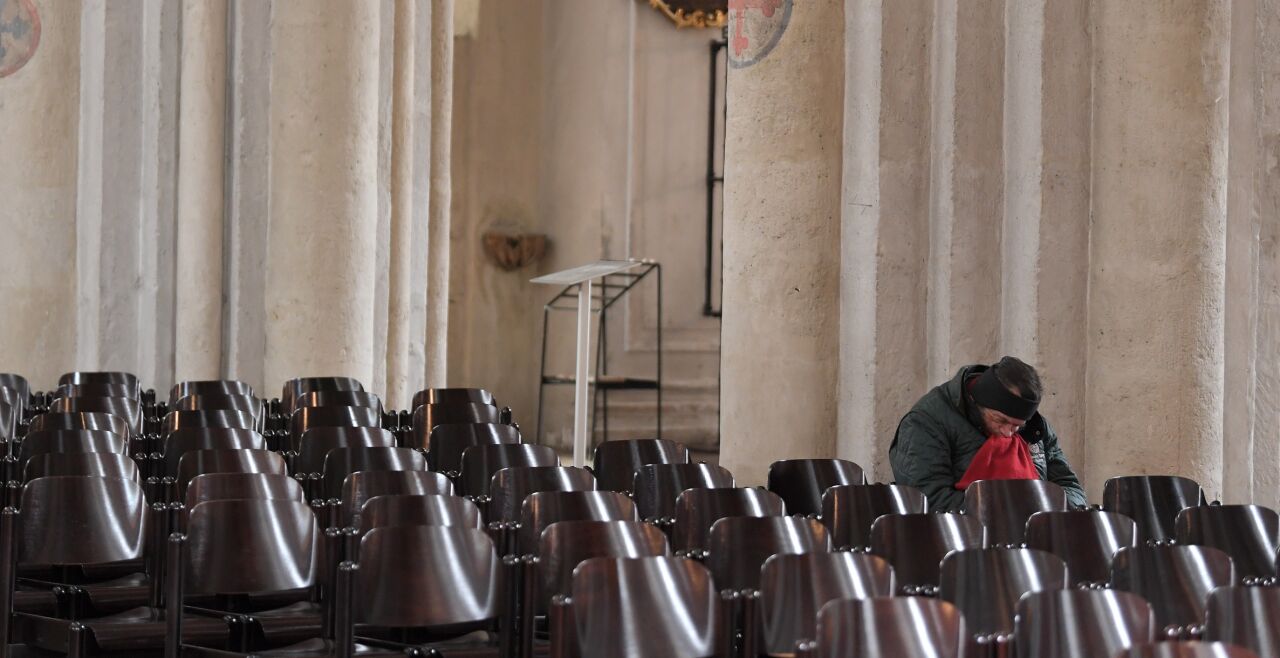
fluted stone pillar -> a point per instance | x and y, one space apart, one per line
437 347
321 254
201 155
1155 358
782 241
400 287
39 105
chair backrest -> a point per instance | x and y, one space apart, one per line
338 399
17 383
802 482
1079 623
479 463
1187 650
59 441
419 509
363 485
698 509
616 462
1152 501
452 396
566 544
180 442
180 420
96 464
1176 580
104 377
1003 506
209 387
659 485
1245 616
848 510
198 462
76 520
11 411
294 388
235 486
81 420
986 583
430 416
644 607
446 443
542 509
905 627
248 546
1250 534
130 409
306 418
225 401
738 546
316 443
916 543
94 391
510 486
793 588
1086 540
452 580
340 463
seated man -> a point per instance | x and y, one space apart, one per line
981 425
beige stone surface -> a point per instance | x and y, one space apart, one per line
400 287
438 270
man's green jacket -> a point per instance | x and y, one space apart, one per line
936 441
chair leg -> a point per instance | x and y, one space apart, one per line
345 623
8 522
173 600
77 638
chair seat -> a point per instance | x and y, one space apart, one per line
315 647
136 629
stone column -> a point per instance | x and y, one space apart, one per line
322 253
201 154
781 236
437 347
1155 357
399 285
39 105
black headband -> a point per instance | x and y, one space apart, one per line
988 392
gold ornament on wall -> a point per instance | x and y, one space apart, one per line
511 251
694 13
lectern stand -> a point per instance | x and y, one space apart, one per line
582 277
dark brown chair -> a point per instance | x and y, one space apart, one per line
317 442
316 399
1187 650
179 420
236 486
199 462
659 485
641 608
908 627
94 391
542 509
306 418
453 396
127 379
222 401
1176 580
986 583
80 421
1245 616
802 482
1152 501
209 387
698 509
1086 540
738 546
340 463
430 416
1077 623
295 388
793 588
916 543
1250 534
180 442
130 409
63 441
480 463
95 464
616 462
419 509
363 485
1003 507
509 487
447 443
241 547
848 510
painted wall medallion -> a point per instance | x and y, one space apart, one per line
755 27
19 34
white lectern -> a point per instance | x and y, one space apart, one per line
582 277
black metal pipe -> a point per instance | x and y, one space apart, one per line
711 176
